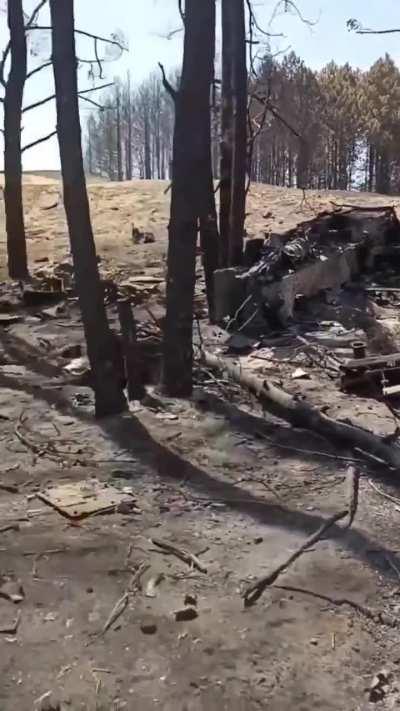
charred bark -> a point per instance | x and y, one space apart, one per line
14 90
239 155
226 133
119 144
190 196
102 347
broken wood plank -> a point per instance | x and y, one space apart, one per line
300 414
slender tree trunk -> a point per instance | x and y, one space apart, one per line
119 141
226 154
209 237
147 149
129 137
371 166
104 356
239 156
14 90
190 192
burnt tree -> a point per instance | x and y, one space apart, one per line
13 97
209 234
239 130
190 194
226 132
102 347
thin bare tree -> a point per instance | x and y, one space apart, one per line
103 351
190 191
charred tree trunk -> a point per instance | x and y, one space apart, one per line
120 171
14 91
102 346
147 149
190 195
209 236
128 146
226 159
239 156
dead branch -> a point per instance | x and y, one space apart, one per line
353 486
184 555
33 17
166 84
90 35
309 452
119 607
374 615
10 488
300 414
38 141
356 26
30 25
256 24
41 102
363 208
255 590
393 499
9 527
39 69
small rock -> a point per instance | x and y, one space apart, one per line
314 641
148 627
73 351
258 540
186 614
190 599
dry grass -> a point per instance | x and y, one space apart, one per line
116 207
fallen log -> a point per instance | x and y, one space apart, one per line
300 414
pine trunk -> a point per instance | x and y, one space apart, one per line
239 156
14 91
103 352
190 192
226 150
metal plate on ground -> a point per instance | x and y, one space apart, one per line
77 500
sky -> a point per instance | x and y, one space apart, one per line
145 24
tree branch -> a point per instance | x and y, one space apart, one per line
167 86
32 19
38 103
38 69
95 103
96 88
28 26
181 11
354 25
83 33
39 140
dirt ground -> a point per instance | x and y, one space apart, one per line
215 476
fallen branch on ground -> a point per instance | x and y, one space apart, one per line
119 607
186 556
363 208
393 499
374 615
255 590
353 484
300 414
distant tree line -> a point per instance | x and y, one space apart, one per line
337 128
130 134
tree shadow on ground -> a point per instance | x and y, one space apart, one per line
130 434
